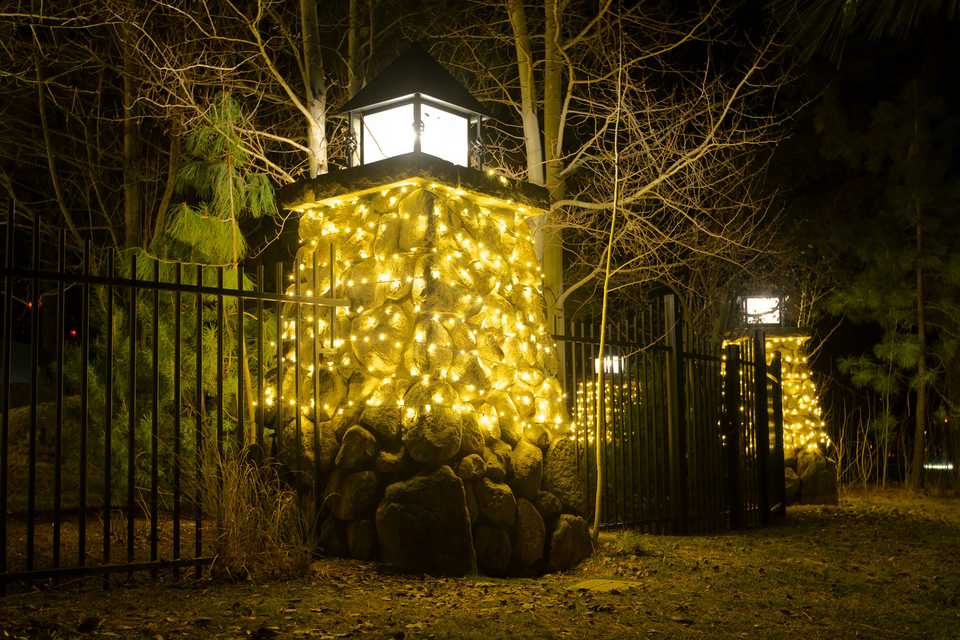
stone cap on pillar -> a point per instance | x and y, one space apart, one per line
416 168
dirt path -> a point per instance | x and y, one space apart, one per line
878 566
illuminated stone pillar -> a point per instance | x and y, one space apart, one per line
442 353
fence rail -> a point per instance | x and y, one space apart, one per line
119 374
687 442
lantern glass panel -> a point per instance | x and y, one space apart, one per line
388 133
445 135
762 310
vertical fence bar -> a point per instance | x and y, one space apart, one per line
5 388
677 441
776 468
220 328
177 436
260 399
58 434
132 411
762 417
155 421
35 305
731 430
315 363
241 362
84 405
297 322
198 439
278 411
108 419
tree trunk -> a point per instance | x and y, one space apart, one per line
528 94
552 241
354 65
315 86
131 146
916 465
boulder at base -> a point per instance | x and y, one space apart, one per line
530 534
560 476
423 525
570 542
791 485
493 550
818 479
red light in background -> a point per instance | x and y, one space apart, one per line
73 333
29 304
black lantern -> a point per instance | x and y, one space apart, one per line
413 106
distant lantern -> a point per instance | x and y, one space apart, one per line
413 106
762 310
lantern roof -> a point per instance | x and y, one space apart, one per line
414 72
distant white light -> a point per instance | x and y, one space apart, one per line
938 466
762 310
611 364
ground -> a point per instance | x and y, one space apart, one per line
880 565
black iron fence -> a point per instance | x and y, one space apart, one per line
688 442
121 376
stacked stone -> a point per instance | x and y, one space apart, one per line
441 433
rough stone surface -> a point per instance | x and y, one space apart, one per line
423 525
384 423
392 462
527 462
358 495
358 449
530 534
435 438
549 507
362 540
538 435
560 476
818 480
498 506
471 440
493 549
791 482
473 507
495 469
471 467
331 540
503 451
570 542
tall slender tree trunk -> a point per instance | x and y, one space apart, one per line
131 146
916 465
354 64
315 87
528 96
552 254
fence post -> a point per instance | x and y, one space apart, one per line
731 432
777 480
762 416
677 441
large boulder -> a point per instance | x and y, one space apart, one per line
570 542
498 506
383 422
358 495
560 476
358 449
471 440
527 462
549 507
493 549
791 485
423 525
393 462
530 534
362 540
331 539
818 479
495 469
435 438
471 467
